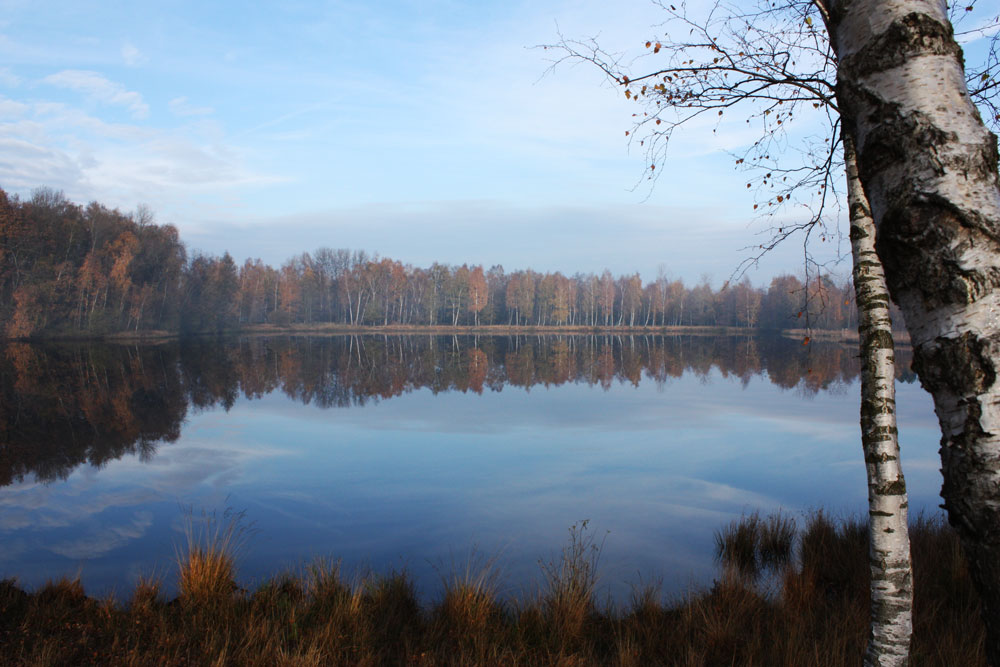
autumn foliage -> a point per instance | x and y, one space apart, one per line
69 270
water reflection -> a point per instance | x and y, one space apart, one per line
502 442
64 405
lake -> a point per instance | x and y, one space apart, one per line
392 452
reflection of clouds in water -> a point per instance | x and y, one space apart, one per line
26 497
714 494
14 519
41 514
188 467
828 428
104 539
182 468
637 493
21 485
59 507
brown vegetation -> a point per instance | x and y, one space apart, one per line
812 610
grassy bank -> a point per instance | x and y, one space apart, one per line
764 609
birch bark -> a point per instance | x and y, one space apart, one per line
929 170
888 532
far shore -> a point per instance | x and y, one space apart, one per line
334 329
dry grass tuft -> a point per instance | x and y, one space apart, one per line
147 596
751 546
469 603
571 582
469 618
208 566
64 591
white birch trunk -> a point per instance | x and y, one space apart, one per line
888 532
929 169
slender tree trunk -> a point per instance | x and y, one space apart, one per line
929 169
889 541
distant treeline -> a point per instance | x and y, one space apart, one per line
66 269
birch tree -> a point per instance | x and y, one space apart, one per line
772 63
928 166
890 564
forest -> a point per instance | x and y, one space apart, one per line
84 271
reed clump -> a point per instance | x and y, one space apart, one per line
807 604
752 546
469 621
207 567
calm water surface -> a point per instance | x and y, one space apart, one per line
410 452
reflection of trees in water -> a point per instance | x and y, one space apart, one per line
68 404
63 405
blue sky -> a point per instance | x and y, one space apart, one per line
422 130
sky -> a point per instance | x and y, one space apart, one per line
422 130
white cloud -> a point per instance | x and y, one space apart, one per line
58 119
180 106
97 87
117 163
11 109
25 165
132 56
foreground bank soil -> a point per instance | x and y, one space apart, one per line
811 611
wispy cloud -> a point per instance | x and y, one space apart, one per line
25 165
132 56
180 106
117 163
99 88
